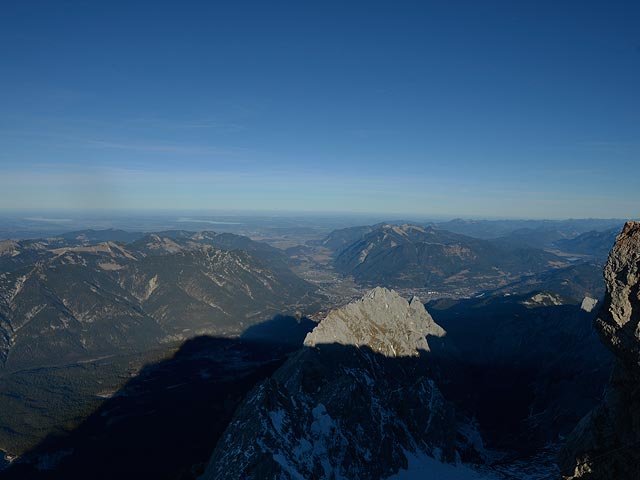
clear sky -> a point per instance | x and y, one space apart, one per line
514 108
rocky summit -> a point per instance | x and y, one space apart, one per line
605 444
382 321
354 403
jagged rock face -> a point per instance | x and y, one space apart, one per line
619 319
381 320
605 443
343 410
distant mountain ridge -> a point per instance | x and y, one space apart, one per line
572 283
595 243
416 256
71 299
550 229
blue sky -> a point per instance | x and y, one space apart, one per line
514 109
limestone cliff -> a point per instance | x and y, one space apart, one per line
606 443
381 320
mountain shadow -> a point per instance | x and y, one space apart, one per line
519 375
338 411
508 380
165 421
527 372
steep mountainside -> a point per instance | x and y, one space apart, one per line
223 241
343 237
594 243
572 283
14 255
62 303
352 404
526 366
605 443
413 256
533 237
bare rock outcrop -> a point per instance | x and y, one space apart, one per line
606 443
381 320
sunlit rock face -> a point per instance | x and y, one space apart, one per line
351 404
381 320
588 304
605 443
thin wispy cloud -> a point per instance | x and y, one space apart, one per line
612 147
212 125
67 141
163 148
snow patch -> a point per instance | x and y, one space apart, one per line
277 418
323 423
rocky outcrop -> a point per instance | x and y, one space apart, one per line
351 404
588 304
606 443
619 319
381 320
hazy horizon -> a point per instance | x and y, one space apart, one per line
52 215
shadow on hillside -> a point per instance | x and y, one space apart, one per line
526 375
169 417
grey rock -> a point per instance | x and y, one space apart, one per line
605 443
382 321
619 319
588 304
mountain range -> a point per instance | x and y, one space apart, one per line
80 297
415 256
484 385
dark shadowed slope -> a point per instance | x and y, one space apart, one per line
526 368
164 423
594 243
